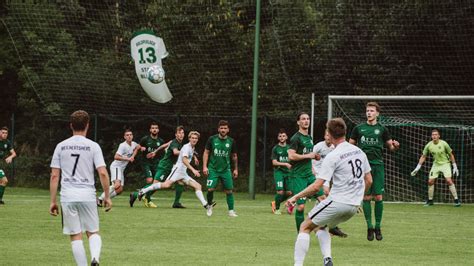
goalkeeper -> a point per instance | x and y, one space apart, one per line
442 155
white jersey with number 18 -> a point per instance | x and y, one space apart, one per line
76 158
346 165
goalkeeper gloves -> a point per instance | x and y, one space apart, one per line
413 173
455 170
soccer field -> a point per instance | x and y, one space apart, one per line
413 234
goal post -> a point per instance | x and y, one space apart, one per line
410 120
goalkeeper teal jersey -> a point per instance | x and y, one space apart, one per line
301 144
220 151
280 153
371 139
440 151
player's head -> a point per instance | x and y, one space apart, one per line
3 133
282 136
154 128
223 128
372 110
303 120
435 135
193 137
336 129
128 134
327 137
179 133
79 120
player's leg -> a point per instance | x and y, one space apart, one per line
446 169
303 241
280 193
116 177
212 182
90 223
297 185
3 185
146 173
228 184
197 189
179 188
434 173
150 180
378 191
72 226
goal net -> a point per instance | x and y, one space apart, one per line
410 120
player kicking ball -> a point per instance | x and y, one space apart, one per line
179 172
348 168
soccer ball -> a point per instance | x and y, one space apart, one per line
155 74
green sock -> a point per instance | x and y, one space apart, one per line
378 213
278 200
299 218
230 201
148 194
210 196
179 190
2 190
367 213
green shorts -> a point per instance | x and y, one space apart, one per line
437 169
298 184
149 170
161 174
281 180
225 177
378 179
2 174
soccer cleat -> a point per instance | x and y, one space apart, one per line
99 202
429 203
209 209
327 261
152 205
132 199
336 231
232 213
178 206
457 203
277 212
378 234
94 262
273 206
290 209
370 234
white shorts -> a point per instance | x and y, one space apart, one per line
180 175
79 217
331 213
116 173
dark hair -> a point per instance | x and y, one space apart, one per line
336 127
179 128
373 104
300 114
79 120
435 129
282 131
154 124
4 128
223 123
127 129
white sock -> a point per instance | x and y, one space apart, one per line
301 248
101 197
324 242
153 187
452 188
113 194
430 192
79 252
200 196
95 245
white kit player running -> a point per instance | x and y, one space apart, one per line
178 173
126 153
348 168
73 162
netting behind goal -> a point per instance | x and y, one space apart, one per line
410 122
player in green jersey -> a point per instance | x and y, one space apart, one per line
220 150
149 146
371 137
281 171
300 154
7 153
166 164
442 155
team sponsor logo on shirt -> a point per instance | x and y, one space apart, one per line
369 141
220 153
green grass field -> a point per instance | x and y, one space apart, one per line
413 234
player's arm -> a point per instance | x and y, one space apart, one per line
368 181
293 156
275 162
53 190
205 159
9 159
164 146
134 154
188 165
308 191
392 145
235 161
453 162
420 163
104 181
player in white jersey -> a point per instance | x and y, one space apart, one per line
126 153
348 168
178 173
73 162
